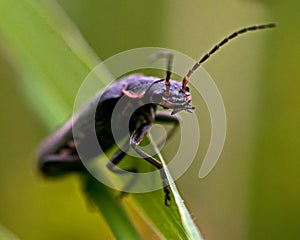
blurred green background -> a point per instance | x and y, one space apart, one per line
253 192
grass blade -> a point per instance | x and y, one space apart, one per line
187 222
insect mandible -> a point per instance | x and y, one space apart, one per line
58 154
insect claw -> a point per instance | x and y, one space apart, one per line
167 196
166 201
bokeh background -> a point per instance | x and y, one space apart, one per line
253 192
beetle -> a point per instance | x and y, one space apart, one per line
58 153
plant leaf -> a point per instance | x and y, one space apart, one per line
187 222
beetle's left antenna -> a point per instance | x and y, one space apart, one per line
225 40
169 56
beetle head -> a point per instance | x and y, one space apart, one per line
170 96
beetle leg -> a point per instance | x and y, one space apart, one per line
56 164
115 159
167 118
135 139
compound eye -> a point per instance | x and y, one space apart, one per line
187 88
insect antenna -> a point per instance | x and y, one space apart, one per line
216 47
169 56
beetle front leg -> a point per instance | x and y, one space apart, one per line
135 139
165 117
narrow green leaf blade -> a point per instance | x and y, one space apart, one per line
187 222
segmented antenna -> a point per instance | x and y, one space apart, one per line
169 56
206 56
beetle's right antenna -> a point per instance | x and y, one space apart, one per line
206 56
